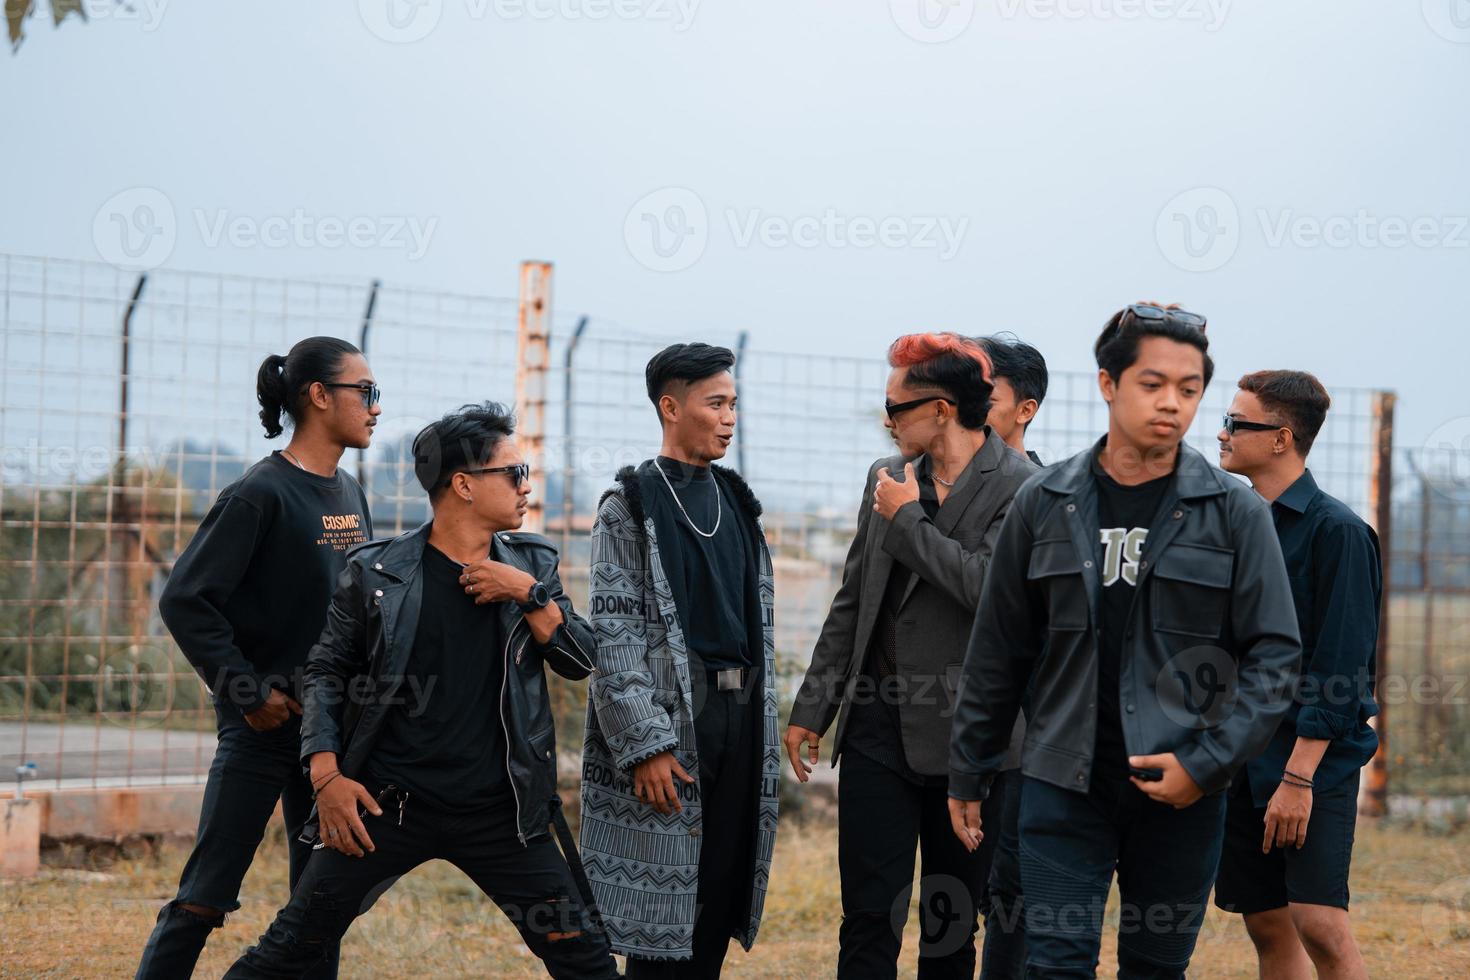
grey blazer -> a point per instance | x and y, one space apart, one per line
951 555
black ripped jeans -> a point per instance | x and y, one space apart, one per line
250 771
533 886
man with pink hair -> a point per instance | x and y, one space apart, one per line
889 658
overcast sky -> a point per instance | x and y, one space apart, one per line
824 173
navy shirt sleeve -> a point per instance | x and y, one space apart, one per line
1343 637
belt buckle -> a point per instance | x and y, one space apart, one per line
730 679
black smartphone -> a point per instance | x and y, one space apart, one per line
1146 775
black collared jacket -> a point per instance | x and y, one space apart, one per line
1210 653
354 671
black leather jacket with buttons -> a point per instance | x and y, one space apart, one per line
353 672
1209 657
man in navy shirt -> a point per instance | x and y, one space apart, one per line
1292 810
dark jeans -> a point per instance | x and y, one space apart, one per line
532 885
725 735
882 817
1165 859
250 772
1004 955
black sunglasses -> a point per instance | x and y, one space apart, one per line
520 472
1231 424
1182 317
370 393
893 409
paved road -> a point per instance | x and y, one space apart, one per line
84 752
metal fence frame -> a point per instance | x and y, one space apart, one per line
809 427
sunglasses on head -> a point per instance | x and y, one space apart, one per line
1143 311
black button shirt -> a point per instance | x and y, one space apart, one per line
1336 573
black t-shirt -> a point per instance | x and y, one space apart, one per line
444 743
711 578
1124 516
248 597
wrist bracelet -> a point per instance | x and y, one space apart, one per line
1287 776
317 790
324 776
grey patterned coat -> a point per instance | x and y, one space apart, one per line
643 865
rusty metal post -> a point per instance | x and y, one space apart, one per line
1373 799
533 363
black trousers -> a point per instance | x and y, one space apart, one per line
882 818
532 884
250 772
726 734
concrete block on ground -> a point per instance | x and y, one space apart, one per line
20 838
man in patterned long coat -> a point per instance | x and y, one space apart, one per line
681 764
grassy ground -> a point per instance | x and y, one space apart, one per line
1411 907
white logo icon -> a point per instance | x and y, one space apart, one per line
1450 19
136 229
1199 230
666 231
1444 460
400 21
932 21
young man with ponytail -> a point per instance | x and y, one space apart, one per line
888 660
1137 602
245 602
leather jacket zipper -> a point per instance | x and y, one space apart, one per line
505 726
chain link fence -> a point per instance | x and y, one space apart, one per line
126 406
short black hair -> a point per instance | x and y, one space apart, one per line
463 439
680 365
1297 399
1020 364
1117 346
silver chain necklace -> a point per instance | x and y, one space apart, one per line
719 509
292 457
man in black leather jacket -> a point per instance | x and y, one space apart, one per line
426 723
1138 602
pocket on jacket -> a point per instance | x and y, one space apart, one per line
543 745
1191 590
1057 570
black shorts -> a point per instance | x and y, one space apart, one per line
1317 874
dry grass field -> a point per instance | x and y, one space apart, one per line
1411 904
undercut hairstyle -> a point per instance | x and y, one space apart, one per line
673 369
956 365
1020 364
281 382
1117 346
1297 400
464 439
